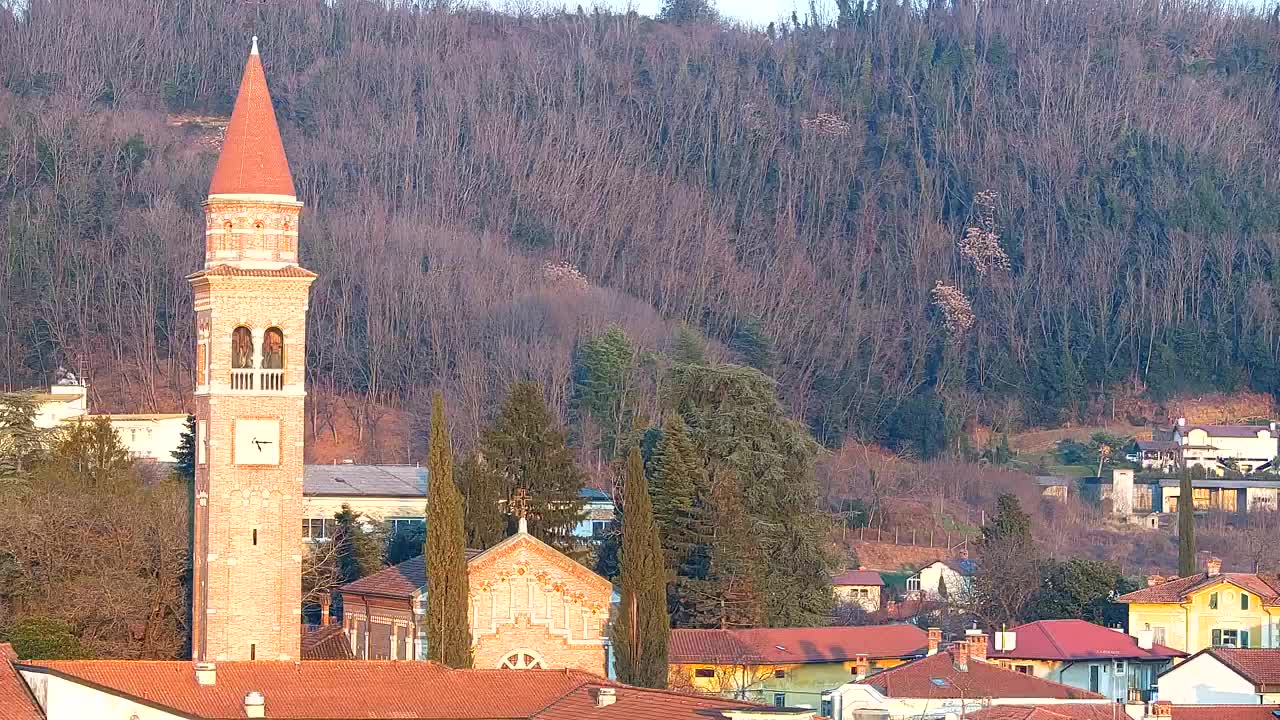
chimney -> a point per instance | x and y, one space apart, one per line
977 643
1182 422
1006 641
1162 708
325 604
1154 580
960 656
935 640
1145 638
1212 566
606 696
255 705
861 667
206 673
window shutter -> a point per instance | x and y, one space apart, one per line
1216 640
1213 601
1244 638
1244 601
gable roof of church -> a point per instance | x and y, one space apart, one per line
403 581
252 159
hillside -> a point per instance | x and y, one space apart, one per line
913 215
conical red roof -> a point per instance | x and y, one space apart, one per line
252 159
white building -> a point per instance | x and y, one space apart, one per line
147 436
1224 676
1218 448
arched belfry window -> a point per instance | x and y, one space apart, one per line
273 349
241 348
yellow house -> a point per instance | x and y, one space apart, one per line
789 667
1208 609
859 587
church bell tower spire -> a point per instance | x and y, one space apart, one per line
250 307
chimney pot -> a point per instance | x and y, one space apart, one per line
1213 566
960 656
1154 580
606 696
861 667
206 673
255 705
1162 708
977 643
935 640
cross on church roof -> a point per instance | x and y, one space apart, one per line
520 506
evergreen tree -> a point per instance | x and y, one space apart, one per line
1186 526
679 483
526 447
682 12
689 348
21 442
641 629
733 592
184 458
764 461
1009 569
448 631
358 550
483 492
603 380
751 342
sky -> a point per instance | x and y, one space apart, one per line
756 12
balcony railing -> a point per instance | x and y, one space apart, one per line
252 379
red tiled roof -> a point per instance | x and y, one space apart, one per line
857 577
1224 712
1260 666
252 159
337 689
16 702
397 581
796 645
327 642
1176 590
1057 711
1078 640
229 271
917 680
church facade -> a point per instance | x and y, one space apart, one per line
250 312
530 607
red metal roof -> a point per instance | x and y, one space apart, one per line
340 690
937 677
252 159
1078 640
857 577
16 702
796 645
1176 590
1057 711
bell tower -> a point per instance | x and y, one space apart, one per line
251 308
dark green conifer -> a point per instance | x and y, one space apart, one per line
642 626
448 632
1186 526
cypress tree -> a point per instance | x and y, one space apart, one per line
1186 526
448 633
641 628
526 447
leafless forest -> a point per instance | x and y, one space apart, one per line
1093 181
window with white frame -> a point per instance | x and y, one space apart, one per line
1223 637
318 529
408 525
913 583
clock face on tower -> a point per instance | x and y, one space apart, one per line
257 441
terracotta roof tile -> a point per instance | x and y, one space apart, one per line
16 702
1177 589
252 158
1057 711
1260 666
917 679
1079 640
397 581
796 645
858 577
230 271
1225 712
337 689
327 642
